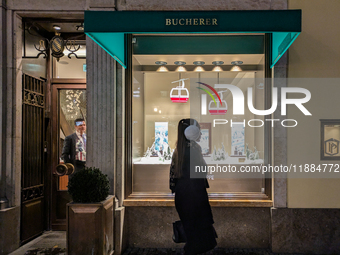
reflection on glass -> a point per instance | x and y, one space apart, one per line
72 105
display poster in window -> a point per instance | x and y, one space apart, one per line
237 140
161 137
204 142
330 143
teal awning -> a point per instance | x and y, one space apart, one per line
108 28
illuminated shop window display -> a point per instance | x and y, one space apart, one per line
171 87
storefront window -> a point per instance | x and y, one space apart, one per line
169 87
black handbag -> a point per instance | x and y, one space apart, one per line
179 234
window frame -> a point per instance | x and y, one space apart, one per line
140 199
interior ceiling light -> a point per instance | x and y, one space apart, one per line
80 27
162 67
217 65
180 67
56 27
199 67
236 66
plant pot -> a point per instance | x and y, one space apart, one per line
90 227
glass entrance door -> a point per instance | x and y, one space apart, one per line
70 105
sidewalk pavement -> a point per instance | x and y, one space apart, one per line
50 242
54 243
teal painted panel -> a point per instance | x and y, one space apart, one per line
280 44
262 21
112 43
231 44
108 29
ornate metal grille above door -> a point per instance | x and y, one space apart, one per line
32 182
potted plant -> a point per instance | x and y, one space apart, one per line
90 214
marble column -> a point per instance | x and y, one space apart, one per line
120 135
280 136
101 110
2 92
120 236
10 127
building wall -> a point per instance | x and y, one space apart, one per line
62 5
10 128
315 54
180 5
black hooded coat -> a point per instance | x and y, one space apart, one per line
192 202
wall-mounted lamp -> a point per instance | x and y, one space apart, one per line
162 67
56 27
180 67
199 67
80 27
236 66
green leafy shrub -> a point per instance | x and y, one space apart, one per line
89 186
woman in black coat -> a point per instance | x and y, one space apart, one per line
191 198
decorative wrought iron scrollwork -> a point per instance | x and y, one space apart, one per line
57 45
41 101
33 98
32 193
71 47
42 48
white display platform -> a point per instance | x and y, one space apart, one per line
150 161
209 160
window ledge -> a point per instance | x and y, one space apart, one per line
213 202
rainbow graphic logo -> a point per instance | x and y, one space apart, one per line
215 108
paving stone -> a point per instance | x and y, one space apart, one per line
52 243
163 251
46 251
216 251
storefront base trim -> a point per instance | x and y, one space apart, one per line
283 230
120 231
309 231
151 227
9 229
213 203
